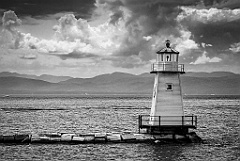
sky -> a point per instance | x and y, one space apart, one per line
85 38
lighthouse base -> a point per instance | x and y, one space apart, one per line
167 124
154 130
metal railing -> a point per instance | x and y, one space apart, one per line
148 121
169 67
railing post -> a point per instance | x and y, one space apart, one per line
196 121
192 120
182 120
139 122
159 120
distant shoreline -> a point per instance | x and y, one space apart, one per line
97 95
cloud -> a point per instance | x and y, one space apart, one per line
218 27
132 31
70 29
29 56
212 15
232 4
71 36
235 47
10 22
42 8
76 55
204 59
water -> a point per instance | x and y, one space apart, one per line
218 126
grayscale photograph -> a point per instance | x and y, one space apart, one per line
124 80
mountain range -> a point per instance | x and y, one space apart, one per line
117 83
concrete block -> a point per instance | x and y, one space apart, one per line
8 138
35 138
45 139
53 135
194 138
180 137
100 135
78 139
143 131
89 138
67 137
1 138
167 136
114 138
143 137
55 139
22 138
100 140
128 137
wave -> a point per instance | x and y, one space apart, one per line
31 109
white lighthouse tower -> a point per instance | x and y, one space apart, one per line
167 93
167 113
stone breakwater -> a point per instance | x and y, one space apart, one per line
98 138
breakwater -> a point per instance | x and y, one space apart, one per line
97 138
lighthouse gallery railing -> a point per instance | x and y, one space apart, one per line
167 67
146 121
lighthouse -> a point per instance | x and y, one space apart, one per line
167 112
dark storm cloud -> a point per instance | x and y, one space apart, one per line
218 27
36 8
146 17
219 34
231 4
158 13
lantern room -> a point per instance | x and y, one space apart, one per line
167 55
167 60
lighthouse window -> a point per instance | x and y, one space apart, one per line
169 87
168 58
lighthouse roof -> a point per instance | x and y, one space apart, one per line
167 50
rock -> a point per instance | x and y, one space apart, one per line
67 137
23 138
163 137
89 138
44 139
194 138
180 137
53 135
114 137
35 138
143 131
78 139
8 139
128 137
55 139
100 137
1 138
143 137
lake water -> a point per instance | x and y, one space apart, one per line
218 126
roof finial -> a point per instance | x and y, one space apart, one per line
168 43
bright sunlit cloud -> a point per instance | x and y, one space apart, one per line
121 35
